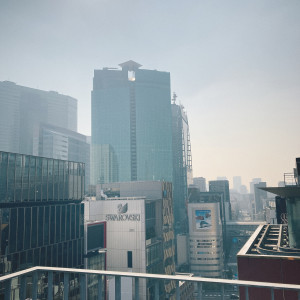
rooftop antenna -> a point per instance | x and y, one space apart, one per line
174 98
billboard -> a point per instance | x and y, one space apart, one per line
203 219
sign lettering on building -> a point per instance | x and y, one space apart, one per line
122 215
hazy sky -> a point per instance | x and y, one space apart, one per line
235 66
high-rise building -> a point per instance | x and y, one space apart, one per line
41 214
182 164
222 186
259 196
131 125
200 183
22 111
254 181
237 183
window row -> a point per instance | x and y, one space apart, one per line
24 228
67 255
30 178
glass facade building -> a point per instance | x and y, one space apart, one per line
41 215
22 111
131 124
182 165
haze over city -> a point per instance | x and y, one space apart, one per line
234 66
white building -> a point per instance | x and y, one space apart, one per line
140 236
205 239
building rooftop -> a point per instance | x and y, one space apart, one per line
271 240
130 65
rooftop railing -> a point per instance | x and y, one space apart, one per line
289 179
41 283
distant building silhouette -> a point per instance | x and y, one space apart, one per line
200 183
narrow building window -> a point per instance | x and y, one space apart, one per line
129 259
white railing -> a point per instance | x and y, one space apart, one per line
19 281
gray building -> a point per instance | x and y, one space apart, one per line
22 111
260 197
237 183
131 125
200 183
222 186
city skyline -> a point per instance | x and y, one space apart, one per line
234 66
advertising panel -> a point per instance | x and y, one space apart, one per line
203 219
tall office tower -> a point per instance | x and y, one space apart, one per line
237 183
131 125
41 214
182 164
259 196
206 227
254 181
222 186
200 183
22 111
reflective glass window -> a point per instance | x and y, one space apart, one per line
40 225
65 254
12 230
11 177
73 222
68 225
71 180
27 228
61 181
43 256
32 179
45 179
46 225
25 177
52 224
34 227
36 256
3 176
66 180
50 180
18 177
70 253
63 222
54 257
55 180
60 257
20 230
30 258
57 224
49 256
39 179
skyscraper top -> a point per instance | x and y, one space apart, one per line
130 65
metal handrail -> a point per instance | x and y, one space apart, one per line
176 278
